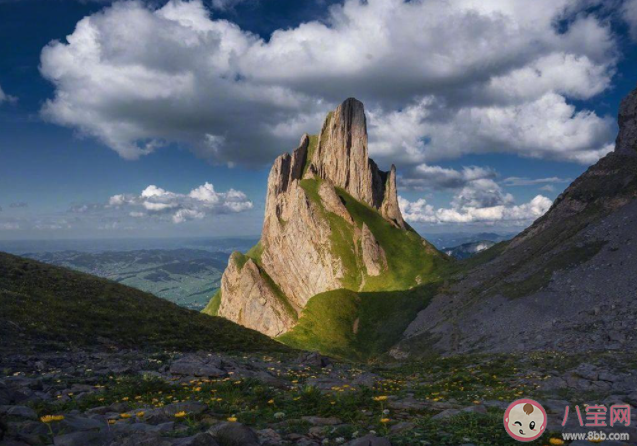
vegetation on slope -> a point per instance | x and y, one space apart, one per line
410 259
357 326
57 307
212 309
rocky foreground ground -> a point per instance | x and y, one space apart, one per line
128 398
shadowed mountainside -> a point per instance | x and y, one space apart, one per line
564 283
44 307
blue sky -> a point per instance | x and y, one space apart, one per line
101 100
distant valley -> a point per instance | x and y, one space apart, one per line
187 276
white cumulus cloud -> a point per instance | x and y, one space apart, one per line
441 79
481 201
196 205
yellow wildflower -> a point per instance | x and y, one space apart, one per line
232 419
384 420
125 415
180 414
271 402
58 417
46 419
140 414
556 441
380 398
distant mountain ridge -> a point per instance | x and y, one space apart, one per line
467 250
332 222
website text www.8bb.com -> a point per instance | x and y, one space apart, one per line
596 436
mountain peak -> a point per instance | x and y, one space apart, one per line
342 157
331 221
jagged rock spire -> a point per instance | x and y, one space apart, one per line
342 157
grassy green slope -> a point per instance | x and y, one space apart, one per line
212 309
55 307
410 261
357 326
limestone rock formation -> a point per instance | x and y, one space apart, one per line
373 254
310 241
332 201
250 300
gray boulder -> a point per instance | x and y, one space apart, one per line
86 438
234 434
193 365
19 412
370 440
203 439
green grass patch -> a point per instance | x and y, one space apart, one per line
256 252
212 309
327 324
357 326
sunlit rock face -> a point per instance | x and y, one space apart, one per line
296 259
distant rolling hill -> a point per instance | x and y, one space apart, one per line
44 306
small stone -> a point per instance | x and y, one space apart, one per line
445 414
86 438
203 439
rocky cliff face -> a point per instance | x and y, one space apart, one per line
626 143
310 242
